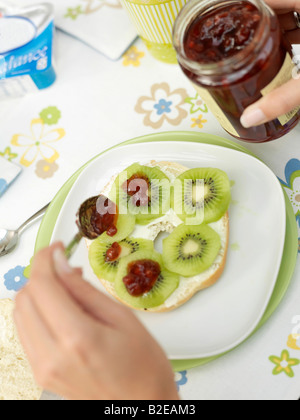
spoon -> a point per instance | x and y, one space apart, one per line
95 216
10 238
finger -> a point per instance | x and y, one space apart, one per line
288 5
277 103
63 316
95 303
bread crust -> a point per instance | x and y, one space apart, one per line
176 169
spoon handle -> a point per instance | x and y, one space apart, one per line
71 248
33 219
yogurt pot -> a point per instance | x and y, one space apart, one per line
26 50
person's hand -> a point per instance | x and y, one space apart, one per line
81 344
287 97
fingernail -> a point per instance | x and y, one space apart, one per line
61 263
253 117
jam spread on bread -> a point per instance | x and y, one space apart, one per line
142 276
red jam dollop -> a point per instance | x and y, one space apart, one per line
104 217
113 253
137 187
221 33
142 276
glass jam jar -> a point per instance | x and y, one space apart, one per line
234 52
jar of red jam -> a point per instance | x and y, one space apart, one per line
234 52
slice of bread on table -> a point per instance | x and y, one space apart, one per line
16 378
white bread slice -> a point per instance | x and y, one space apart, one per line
188 287
16 378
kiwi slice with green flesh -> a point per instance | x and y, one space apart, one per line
125 227
165 284
201 195
191 250
142 191
98 253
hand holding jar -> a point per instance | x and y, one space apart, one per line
287 97
236 55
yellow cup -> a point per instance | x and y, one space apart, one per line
154 20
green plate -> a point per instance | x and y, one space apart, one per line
291 241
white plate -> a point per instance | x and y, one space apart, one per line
220 318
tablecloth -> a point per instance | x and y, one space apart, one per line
97 103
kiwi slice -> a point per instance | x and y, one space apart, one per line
190 250
143 192
104 265
125 227
201 195
164 285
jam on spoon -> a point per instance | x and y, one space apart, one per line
95 216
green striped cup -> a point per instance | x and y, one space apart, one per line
154 20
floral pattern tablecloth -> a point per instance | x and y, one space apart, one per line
97 103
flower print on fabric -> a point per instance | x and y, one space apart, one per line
198 122
293 341
284 364
196 104
38 143
163 105
14 279
50 115
92 6
73 12
181 379
45 169
88 7
8 154
132 57
292 185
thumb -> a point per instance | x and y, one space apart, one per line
279 102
